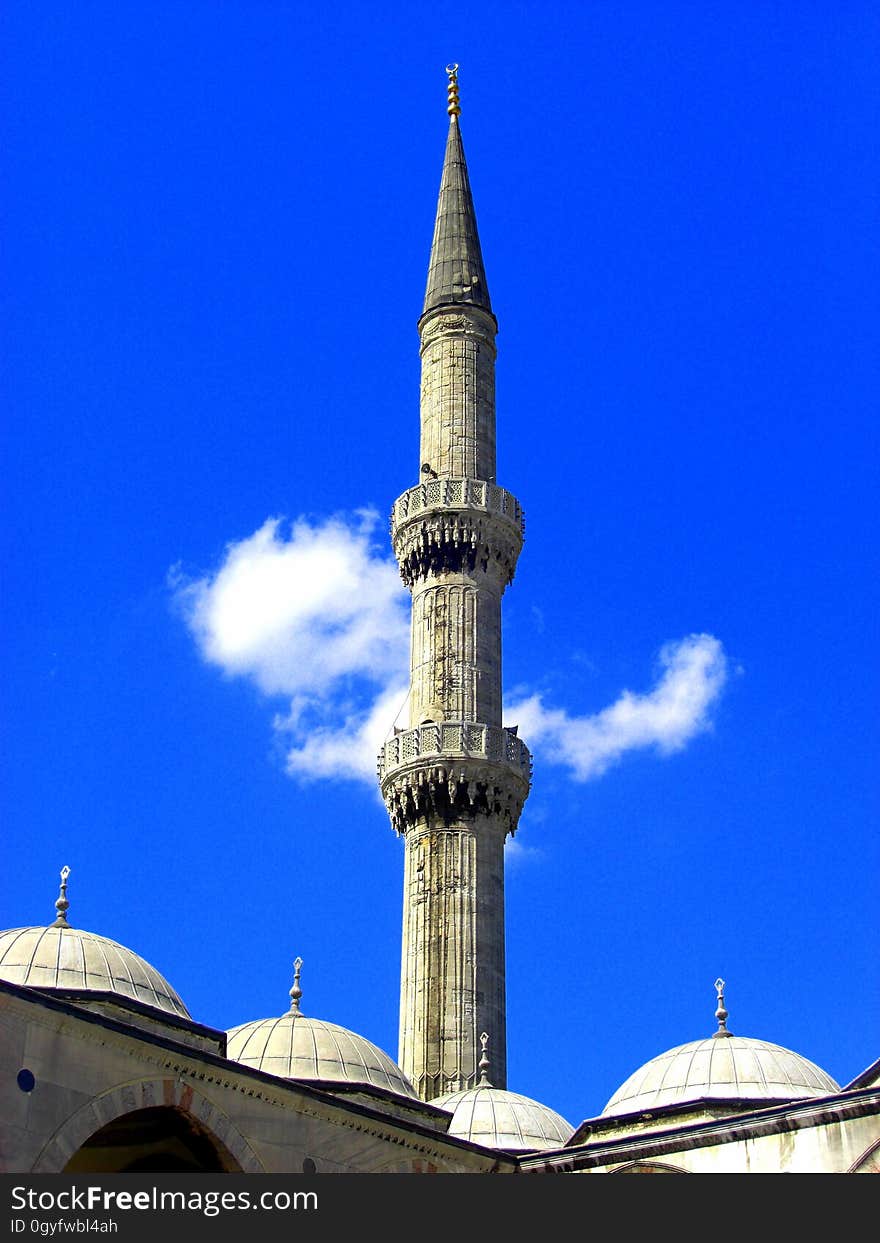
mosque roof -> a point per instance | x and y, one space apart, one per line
721 1067
296 1046
58 956
497 1118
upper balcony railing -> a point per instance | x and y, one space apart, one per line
457 494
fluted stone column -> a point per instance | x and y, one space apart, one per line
455 781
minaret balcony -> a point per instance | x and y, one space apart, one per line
477 494
449 525
451 768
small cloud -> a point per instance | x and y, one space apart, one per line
300 613
351 749
319 616
581 658
516 853
692 674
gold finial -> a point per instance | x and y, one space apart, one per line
720 1013
62 904
296 992
453 106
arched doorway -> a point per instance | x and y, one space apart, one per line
156 1140
647 1167
869 1162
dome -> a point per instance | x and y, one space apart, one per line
722 1067
497 1118
296 1046
70 958
62 957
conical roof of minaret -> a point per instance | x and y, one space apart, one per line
455 273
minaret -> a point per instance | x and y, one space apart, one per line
455 781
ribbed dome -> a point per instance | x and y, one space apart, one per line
298 1047
497 1118
295 1046
722 1067
70 958
62 957
737 1068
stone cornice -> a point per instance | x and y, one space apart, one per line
458 321
732 1128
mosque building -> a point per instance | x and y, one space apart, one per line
104 1070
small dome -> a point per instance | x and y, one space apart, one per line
722 1067
70 958
497 1118
62 957
295 1046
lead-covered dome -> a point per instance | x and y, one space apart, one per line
296 1046
71 959
497 1118
722 1067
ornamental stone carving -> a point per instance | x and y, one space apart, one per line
477 323
454 770
454 526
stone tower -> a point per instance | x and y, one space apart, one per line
455 780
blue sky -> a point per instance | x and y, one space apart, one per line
217 220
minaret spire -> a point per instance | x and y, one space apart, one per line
455 781
455 272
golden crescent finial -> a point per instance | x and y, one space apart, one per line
453 107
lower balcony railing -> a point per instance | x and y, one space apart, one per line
448 741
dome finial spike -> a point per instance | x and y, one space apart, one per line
453 106
296 992
483 1064
62 905
720 1013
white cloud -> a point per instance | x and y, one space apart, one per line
301 613
694 670
320 617
516 853
351 749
